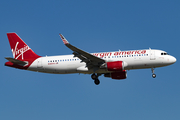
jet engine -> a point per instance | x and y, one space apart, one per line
116 66
117 75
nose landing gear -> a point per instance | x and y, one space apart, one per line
95 78
153 75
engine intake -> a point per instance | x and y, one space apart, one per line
116 65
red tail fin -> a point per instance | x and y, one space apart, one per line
20 50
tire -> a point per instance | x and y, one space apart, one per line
154 75
94 76
97 82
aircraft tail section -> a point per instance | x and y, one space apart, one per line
21 52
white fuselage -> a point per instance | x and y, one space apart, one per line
110 64
135 59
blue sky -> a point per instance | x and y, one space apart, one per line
94 26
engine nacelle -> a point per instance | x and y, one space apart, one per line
116 65
117 75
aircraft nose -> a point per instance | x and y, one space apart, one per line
173 59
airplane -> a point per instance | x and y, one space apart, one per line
110 64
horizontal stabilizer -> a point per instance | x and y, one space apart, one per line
15 61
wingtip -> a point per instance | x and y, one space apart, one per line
63 39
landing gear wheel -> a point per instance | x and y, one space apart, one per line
153 75
96 81
94 76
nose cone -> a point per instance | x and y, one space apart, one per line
173 60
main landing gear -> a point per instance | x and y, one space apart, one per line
153 75
95 78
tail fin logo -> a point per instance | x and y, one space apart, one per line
19 52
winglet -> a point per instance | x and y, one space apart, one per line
64 39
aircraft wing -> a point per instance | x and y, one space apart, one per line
89 59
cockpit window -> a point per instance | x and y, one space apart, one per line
164 54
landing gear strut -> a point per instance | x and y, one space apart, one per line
95 78
153 75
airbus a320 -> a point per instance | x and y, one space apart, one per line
110 64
